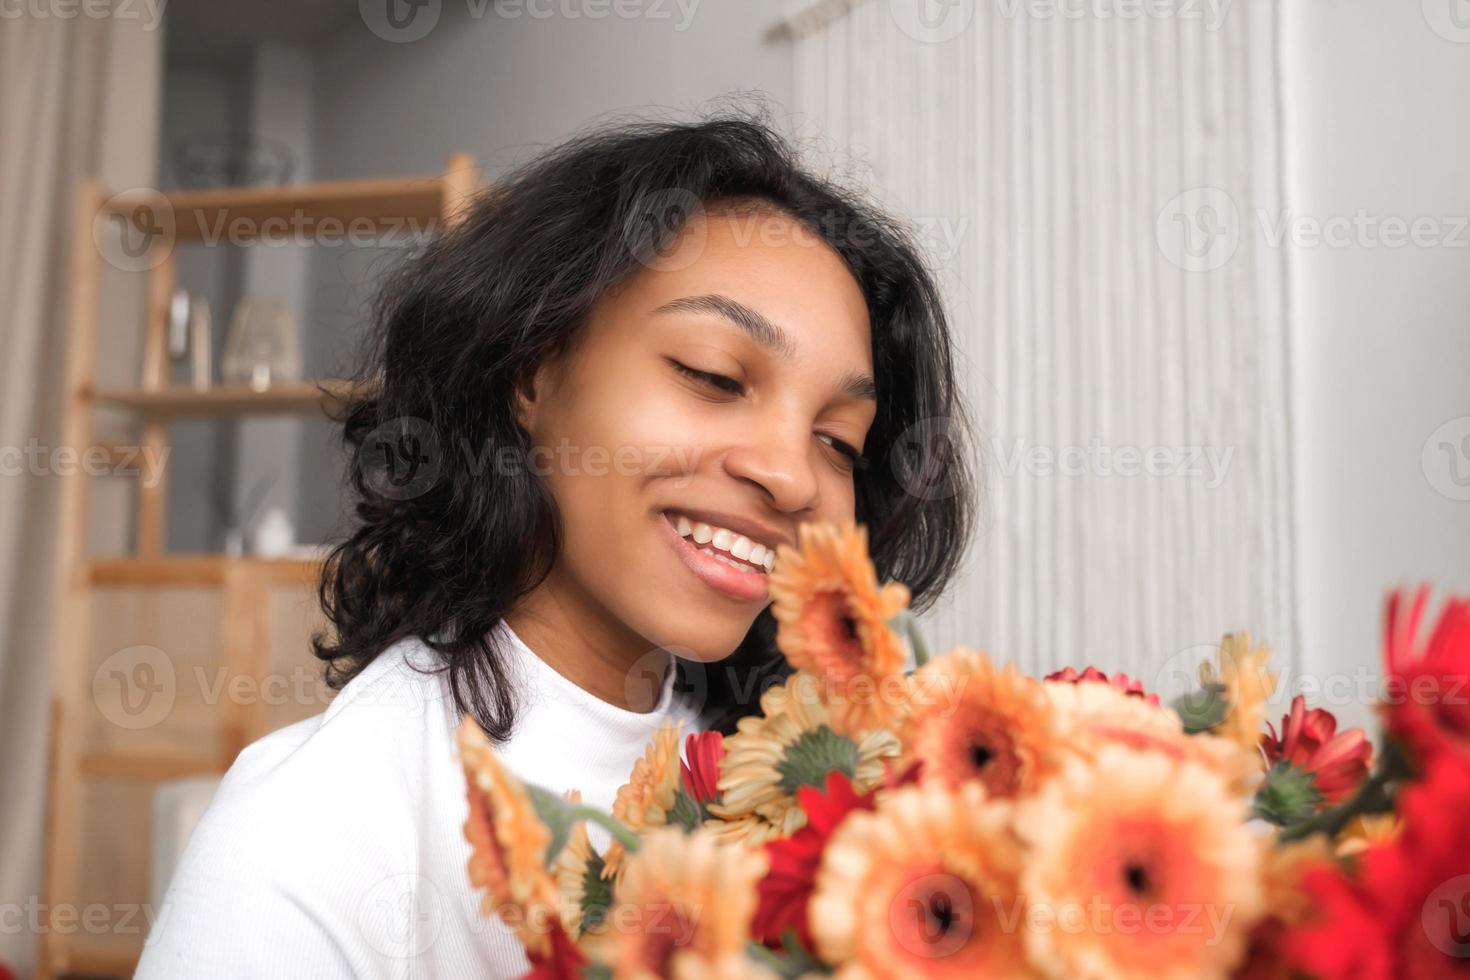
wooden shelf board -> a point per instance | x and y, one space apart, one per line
118 958
197 570
224 401
311 211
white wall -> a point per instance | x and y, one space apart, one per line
1377 122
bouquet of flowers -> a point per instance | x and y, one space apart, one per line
961 819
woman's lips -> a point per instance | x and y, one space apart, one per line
746 586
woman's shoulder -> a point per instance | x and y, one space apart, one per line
316 815
396 704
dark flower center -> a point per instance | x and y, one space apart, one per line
980 755
1137 877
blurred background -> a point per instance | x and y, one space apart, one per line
1208 264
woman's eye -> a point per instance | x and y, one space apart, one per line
854 457
719 381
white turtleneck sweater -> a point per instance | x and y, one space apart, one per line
335 847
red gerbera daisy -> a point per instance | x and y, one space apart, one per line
1310 741
1121 681
564 961
1427 695
700 766
788 884
1401 915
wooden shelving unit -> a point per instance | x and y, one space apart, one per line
225 401
243 584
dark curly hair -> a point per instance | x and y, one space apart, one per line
445 555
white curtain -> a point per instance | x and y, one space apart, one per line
1096 191
80 98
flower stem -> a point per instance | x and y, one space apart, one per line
617 828
1372 797
910 625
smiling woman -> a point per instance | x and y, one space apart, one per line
597 407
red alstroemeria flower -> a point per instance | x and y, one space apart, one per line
1427 691
700 767
1121 681
1310 741
787 886
1400 915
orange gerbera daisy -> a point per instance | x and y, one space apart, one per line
683 908
1248 683
971 720
645 799
1092 716
832 621
1283 868
1364 831
1149 859
790 745
508 845
925 885
583 892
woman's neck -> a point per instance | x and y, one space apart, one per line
579 640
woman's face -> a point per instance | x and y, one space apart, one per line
707 409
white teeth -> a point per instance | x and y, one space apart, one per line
728 561
725 545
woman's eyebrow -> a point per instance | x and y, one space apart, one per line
764 332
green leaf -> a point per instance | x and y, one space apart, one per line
1203 709
796 962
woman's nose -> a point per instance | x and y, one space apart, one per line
781 466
